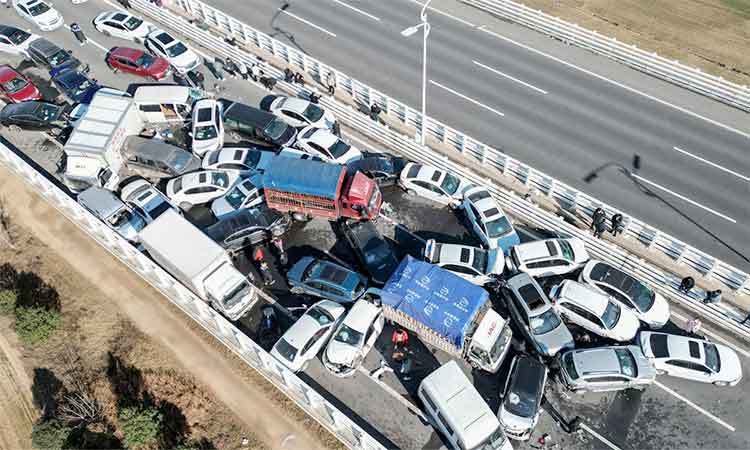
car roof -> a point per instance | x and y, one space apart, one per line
118 16
429 173
537 249
596 360
163 37
584 296
201 105
684 347
488 209
526 374
132 53
324 138
294 104
536 304
245 113
301 331
361 315
332 273
456 253
44 46
200 178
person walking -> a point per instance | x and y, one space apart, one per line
288 75
331 82
598 216
694 325
299 79
600 228
617 224
231 67
78 32
712 297
686 285
242 68
255 71
314 97
375 111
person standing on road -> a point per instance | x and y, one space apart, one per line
686 285
256 72
617 224
243 70
231 67
600 228
747 317
375 111
78 32
331 82
288 75
712 297
694 325
598 216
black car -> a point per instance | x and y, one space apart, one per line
34 115
248 227
259 126
384 169
374 252
522 397
48 55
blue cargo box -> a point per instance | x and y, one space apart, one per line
303 177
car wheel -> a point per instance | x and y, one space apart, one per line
661 372
296 290
106 33
185 206
14 128
411 192
721 383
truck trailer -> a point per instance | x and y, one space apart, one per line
199 263
447 312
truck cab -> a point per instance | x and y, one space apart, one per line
361 198
228 291
82 172
490 342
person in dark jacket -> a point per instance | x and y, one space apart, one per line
712 297
598 216
686 285
600 228
617 226
125 3
231 67
375 111
78 32
288 75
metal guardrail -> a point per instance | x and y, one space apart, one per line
341 426
576 201
688 77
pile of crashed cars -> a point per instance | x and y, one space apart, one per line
592 325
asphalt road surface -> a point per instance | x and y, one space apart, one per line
558 108
674 413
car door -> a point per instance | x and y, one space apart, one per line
293 118
372 333
619 297
115 29
312 347
478 224
582 317
320 150
428 191
156 48
686 369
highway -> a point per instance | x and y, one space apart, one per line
558 108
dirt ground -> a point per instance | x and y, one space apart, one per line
108 309
713 35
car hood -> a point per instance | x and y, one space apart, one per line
186 60
659 314
731 368
627 327
556 340
495 262
48 18
221 207
205 145
340 353
159 66
30 92
514 423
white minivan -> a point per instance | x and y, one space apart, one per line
459 412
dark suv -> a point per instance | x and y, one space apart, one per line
34 115
373 251
248 227
260 126
49 56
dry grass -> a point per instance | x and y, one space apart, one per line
713 35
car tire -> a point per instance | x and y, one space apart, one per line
661 372
411 192
14 128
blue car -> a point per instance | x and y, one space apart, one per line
324 279
74 84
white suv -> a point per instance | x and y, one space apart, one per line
488 220
594 311
208 129
548 257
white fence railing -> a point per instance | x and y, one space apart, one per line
341 426
688 77
576 201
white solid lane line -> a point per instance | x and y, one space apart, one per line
88 39
715 336
357 10
682 197
468 99
738 175
694 406
457 19
510 77
308 22
616 83
599 436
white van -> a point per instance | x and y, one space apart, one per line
459 412
159 103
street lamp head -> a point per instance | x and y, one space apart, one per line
410 31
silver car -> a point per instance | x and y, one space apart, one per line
533 312
126 221
606 369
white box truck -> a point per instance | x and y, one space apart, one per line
199 263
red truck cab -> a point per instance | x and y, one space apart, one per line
309 188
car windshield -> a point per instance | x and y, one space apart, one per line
18 36
544 323
627 362
180 160
158 210
499 227
712 357
275 129
59 57
176 50
46 112
523 405
611 315
205 132
450 184
480 261
235 197
252 158
567 250
132 23
349 336
375 250
320 315
83 85
15 85
145 60
313 113
310 269
641 294
39 8
286 349
339 149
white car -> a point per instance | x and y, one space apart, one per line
246 193
594 311
433 184
304 339
208 128
488 220
173 50
123 25
145 199
195 188
648 305
40 13
289 152
14 40
353 338
691 358
243 160
299 113
548 257
327 145
470 263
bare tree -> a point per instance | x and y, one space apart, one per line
78 403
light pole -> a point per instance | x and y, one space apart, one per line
425 32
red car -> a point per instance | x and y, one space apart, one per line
138 62
15 87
